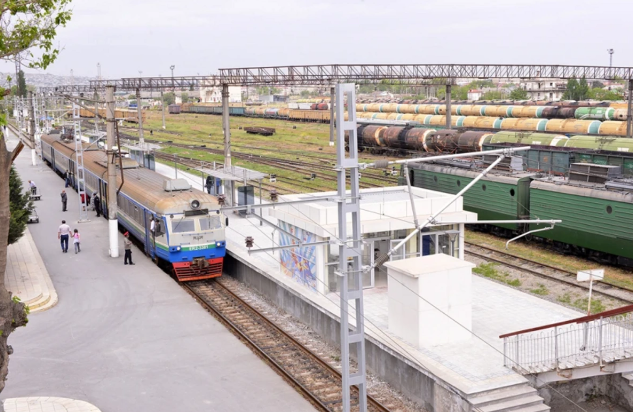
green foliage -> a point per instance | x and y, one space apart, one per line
184 97
21 89
601 94
565 299
169 98
596 305
518 94
267 90
304 93
597 85
576 90
541 290
488 270
32 24
493 95
20 207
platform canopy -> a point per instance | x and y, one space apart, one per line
234 173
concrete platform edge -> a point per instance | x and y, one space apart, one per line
46 279
46 403
422 386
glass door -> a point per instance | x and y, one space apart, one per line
367 262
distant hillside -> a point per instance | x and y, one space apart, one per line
44 80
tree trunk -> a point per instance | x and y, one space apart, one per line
13 313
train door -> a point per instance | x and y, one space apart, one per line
71 172
150 236
53 158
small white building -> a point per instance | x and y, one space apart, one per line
214 94
545 89
386 218
475 94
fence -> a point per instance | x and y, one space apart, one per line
590 340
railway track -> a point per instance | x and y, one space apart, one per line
549 272
319 382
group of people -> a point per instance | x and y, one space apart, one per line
64 232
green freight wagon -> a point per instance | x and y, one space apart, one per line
596 222
494 197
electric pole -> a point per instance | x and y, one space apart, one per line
113 223
228 184
32 127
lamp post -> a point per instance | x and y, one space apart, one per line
610 51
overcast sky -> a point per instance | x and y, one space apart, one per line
200 36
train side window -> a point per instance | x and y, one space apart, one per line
609 209
512 192
483 187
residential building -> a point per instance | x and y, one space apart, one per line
545 89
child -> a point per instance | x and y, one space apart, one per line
76 239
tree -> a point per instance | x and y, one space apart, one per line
600 94
571 92
26 25
492 95
169 98
184 97
21 84
518 94
20 206
583 89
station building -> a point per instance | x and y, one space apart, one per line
386 218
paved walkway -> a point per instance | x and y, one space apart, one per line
26 275
47 404
128 338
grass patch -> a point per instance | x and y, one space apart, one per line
538 253
596 305
541 290
488 270
566 299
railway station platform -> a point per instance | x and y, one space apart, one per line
127 338
456 376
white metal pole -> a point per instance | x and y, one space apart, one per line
113 223
590 289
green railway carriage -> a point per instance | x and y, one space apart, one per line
494 197
596 222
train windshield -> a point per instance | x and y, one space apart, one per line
210 223
183 225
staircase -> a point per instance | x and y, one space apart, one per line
521 398
629 377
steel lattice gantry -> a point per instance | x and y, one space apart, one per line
338 73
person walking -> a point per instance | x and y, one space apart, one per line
62 234
209 184
66 179
127 245
97 203
76 241
64 200
33 187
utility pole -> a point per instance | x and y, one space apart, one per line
32 127
350 269
228 185
162 103
332 99
139 109
113 223
448 105
610 51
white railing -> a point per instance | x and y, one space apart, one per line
591 340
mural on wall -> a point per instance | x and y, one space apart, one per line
298 263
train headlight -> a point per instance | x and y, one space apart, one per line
178 248
195 204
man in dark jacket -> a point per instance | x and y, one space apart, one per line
209 184
64 200
97 203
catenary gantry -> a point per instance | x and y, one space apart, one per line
338 73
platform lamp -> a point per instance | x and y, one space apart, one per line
610 51
452 236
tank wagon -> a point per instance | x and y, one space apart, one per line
597 223
189 234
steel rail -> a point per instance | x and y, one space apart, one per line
199 295
596 289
